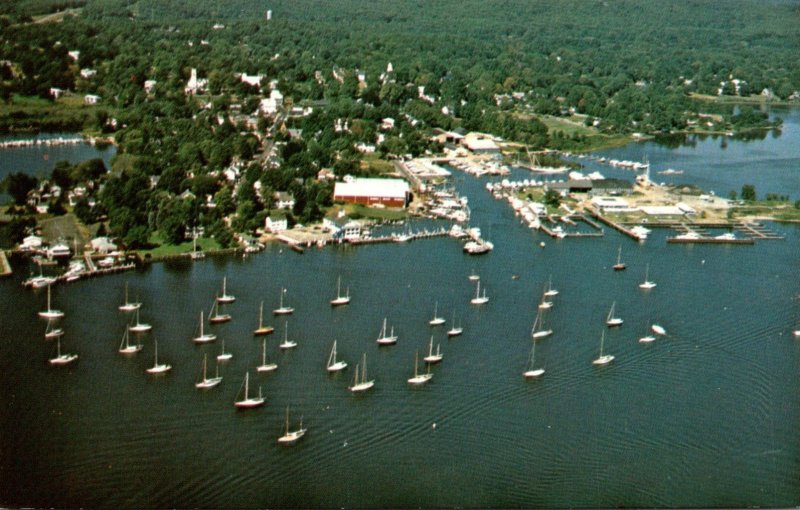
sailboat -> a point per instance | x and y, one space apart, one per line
532 372
658 330
474 277
207 382
383 338
125 346
436 321
247 401
619 266
128 306
62 359
203 337
264 366
224 356
538 331
479 299
225 297
420 378
361 384
544 304
647 284
339 299
262 329
158 368
647 339
612 321
333 365
283 310
603 359
139 327
50 313
214 317
433 357
52 331
455 330
291 437
550 292
287 344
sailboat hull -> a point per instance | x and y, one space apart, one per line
530 374
266 330
63 359
336 367
159 369
249 403
603 360
291 437
266 368
219 318
208 383
420 379
364 386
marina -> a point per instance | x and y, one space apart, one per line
569 437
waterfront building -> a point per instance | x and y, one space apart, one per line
276 223
387 192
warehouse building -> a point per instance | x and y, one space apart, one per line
387 192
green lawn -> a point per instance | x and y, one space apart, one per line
165 250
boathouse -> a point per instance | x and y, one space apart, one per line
386 192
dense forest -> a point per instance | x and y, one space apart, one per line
494 66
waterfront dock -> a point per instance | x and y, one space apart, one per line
616 226
710 240
5 267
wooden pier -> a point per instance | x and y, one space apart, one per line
616 226
758 231
709 240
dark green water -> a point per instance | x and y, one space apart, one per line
707 416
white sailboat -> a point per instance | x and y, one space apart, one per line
125 346
479 299
224 356
50 313
538 331
248 401
225 297
420 378
291 437
384 338
52 330
287 344
283 310
433 357
619 266
647 284
208 382
436 321
339 299
611 320
658 330
139 327
544 304
203 337
532 372
333 365
158 368
603 359
262 329
128 306
361 384
474 277
62 359
456 330
214 317
264 366
550 292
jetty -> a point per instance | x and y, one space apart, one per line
5 267
616 226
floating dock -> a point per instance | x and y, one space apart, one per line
709 240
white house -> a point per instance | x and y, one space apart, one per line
253 80
271 104
102 245
31 243
283 200
149 85
88 73
610 203
91 99
276 223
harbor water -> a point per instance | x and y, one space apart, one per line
704 416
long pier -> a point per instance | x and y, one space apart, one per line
616 226
709 240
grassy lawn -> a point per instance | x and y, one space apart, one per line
374 213
164 250
375 165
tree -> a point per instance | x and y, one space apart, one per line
18 185
552 198
748 193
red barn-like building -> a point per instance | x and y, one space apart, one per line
388 192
